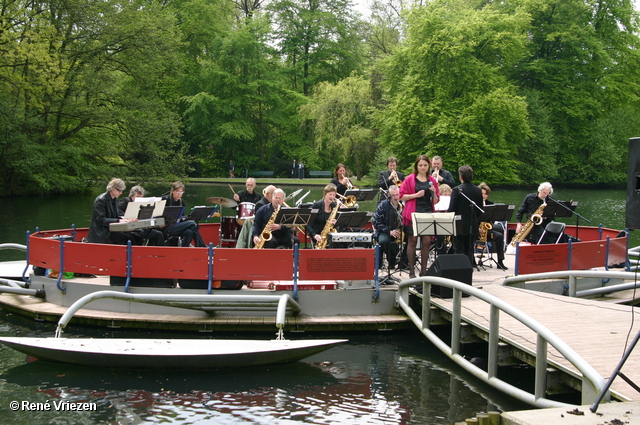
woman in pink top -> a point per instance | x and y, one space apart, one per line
419 191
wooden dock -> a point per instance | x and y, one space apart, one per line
599 332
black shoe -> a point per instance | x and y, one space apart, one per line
502 266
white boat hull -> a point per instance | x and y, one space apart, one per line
168 353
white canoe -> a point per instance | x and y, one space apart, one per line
168 353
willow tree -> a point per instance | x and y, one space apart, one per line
341 114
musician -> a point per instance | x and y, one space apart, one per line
341 181
390 176
529 206
249 194
187 230
420 193
324 206
468 228
387 223
281 236
153 236
441 175
266 199
494 233
105 212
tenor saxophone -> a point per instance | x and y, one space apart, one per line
328 228
484 231
534 220
266 232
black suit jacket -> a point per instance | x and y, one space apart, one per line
461 206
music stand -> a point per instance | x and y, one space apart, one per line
361 194
133 208
172 214
295 217
489 216
145 211
202 213
353 219
433 224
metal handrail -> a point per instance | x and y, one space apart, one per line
200 302
17 246
573 282
590 377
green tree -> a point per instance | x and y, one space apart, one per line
342 117
448 93
84 89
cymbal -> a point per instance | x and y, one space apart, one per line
225 202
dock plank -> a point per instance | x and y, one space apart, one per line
598 332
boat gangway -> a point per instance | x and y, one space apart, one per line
571 343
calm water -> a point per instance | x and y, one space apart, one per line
376 378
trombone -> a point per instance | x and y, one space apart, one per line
349 201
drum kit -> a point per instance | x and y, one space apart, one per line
230 226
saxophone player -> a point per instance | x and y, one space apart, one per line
387 223
281 236
529 206
324 206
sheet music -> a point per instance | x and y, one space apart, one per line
134 207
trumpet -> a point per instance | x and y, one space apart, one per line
349 201
395 178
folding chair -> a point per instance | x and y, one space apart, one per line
555 230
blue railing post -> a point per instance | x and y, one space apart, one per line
73 232
600 232
210 271
569 254
59 284
376 258
126 284
606 253
296 259
515 272
26 266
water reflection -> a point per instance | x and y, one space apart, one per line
374 379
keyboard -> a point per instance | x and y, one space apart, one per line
135 225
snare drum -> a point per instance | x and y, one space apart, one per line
245 210
229 231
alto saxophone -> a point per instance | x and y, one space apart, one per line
266 232
484 231
328 228
534 220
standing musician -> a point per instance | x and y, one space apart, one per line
187 230
341 181
387 223
460 205
248 195
280 235
420 193
105 212
153 236
529 206
495 234
325 207
441 175
390 176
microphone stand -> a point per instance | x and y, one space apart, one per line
472 205
389 277
578 216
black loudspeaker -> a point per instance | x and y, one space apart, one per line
633 185
450 266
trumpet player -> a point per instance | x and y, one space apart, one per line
387 223
529 206
281 236
341 181
441 175
390 176
495 236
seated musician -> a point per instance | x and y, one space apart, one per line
531 203
105 212
186 230
495 236
154 237
341 181
281 236
266 198
249 194
387 223
325 207
390 176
